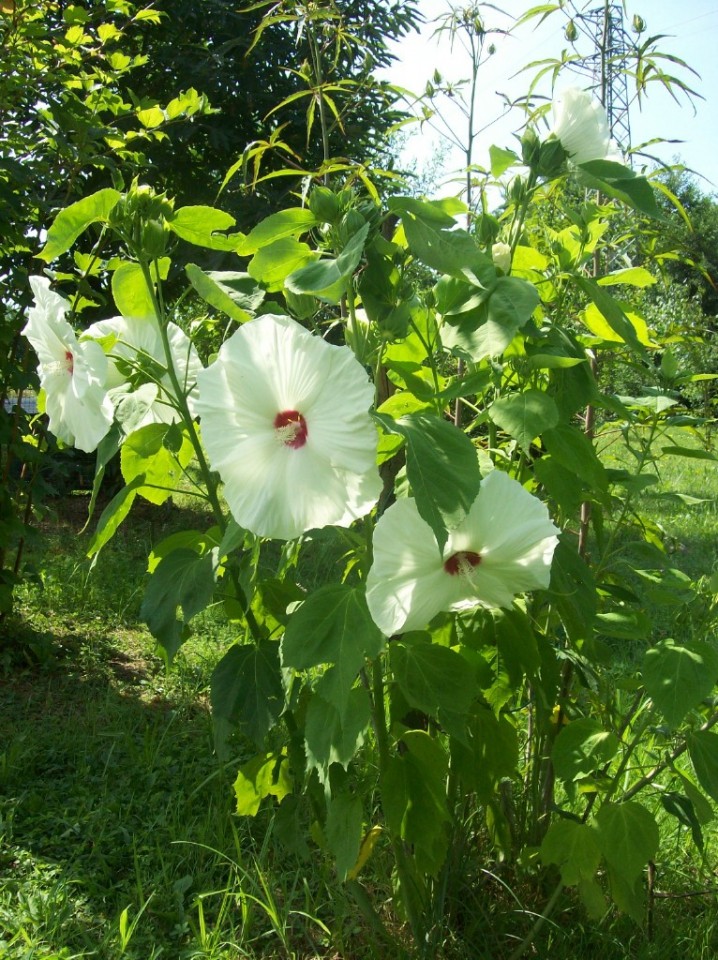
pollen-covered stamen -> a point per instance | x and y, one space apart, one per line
291 429
462 563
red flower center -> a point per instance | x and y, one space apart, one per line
462 562
291 429
70 361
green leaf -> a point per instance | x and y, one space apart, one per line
333 625
75 219
132 407
501 160
271 265
633 276
601 328
235 294
677 677
113 515
511 303
703 750
553 361
129 290
485 325
701 805
151 117
612 312
629 896
107 448
440 213
327 279
264 776
192 539
562 485
574 848
692 453
413 794
490 754
628 837
442 468
681 807
581 748
334 737
516 645
621 183
147 452
525 416
183 580
343 831
624 624
433 679
287 223
451 252
247 692
205 227
573 450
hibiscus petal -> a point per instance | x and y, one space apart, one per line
272 366
407 584
580 123
339 428
505 521
138 339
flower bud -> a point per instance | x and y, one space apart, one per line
552 158
324 204
135 211
530 147
154 239
487 229
351 223
571 32
517 191
501 255
638 24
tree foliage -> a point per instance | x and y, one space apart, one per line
269 71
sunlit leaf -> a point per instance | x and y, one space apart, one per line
75 219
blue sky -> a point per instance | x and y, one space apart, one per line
691 33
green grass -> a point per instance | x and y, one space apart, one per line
117 837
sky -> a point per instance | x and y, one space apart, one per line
690 32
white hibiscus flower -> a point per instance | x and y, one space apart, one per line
504 547
581 124
285 421
136 352
72 373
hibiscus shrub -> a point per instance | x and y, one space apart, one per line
461 648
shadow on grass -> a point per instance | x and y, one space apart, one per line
110 798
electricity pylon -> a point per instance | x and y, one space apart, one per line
607 65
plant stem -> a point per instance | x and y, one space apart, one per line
183 407
660 767
411 895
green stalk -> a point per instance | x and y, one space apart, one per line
207 476
411 895
319 77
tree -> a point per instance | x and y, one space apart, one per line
67 129
292 81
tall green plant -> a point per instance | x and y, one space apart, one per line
449 687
